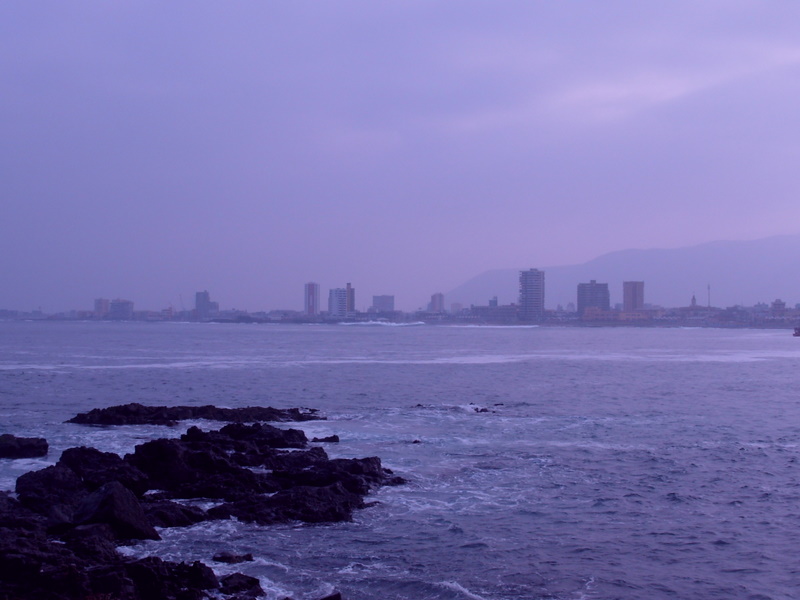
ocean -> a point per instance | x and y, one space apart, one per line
542 462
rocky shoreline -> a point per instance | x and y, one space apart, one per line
58 537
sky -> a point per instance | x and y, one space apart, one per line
149 150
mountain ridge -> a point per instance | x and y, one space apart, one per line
738 272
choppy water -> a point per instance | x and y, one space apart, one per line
611 464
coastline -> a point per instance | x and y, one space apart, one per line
61 528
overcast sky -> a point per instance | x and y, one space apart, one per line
149 150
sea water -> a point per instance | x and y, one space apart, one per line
542 463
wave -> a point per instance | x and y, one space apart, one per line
383 324
496 326
460 589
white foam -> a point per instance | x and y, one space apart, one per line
384 324
457 587
495 326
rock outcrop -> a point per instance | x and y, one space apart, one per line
21 447
139 414
58 538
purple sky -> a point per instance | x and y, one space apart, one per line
149 149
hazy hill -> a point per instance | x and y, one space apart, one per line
744 272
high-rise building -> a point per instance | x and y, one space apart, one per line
594 295
102 306
531 295
311 305
337 303
120 310
204 307
632 296
437 303
351 299
383 304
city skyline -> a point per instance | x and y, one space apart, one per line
767 263
404 147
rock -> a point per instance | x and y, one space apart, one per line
331 439
358 475
117 506
97 468
333 596
190 470
93 542
242 585
227 557
295 461
163 513
316 504
58 541
54 492
309 504
138 414
21 447
31 565
155 578
164 462
266 436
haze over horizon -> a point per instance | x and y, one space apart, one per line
150 151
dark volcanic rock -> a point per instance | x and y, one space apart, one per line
31 565
155 578
303 503
117 506
58 541
20 447
138 414
331 439
163 513
227 557
242 585
94 542
188 470
295 461
239 437
316 504
358 475
54 492
97 468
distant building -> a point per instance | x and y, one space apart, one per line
495 313
120 310
593 295
531 295
311 302
778 308
632 296
350 299
102 306
383 304
437 303
204 307
337 303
